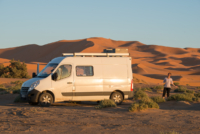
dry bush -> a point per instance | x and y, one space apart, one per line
158 99
181 89
182 97
14 88
159 87
176 83
139 94
143 104
197 94
146 89
106 103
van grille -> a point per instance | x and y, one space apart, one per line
24 90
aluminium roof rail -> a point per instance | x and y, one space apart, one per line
96 54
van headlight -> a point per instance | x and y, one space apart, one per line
35 84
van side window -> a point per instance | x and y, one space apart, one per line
84 71
64 71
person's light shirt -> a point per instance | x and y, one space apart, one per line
168 82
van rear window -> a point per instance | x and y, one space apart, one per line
84 71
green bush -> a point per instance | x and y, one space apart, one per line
139 94
182 97
176 83
158 99
106 103
16 69
143 104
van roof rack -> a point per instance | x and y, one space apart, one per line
95 54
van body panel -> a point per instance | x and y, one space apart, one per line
88 84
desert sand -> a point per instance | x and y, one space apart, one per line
150 63
82 117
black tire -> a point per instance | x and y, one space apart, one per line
33 103
117 97
45 99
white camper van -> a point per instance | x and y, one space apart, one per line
81 77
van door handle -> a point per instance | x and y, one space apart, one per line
69 82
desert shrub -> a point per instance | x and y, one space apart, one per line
2 87
198 87
106 103
158 99
18 82
170 132
176 83
15 89
146 89
182 97
16 69
159 87
181 89
197 94
139 94
143 104
189 91
187 84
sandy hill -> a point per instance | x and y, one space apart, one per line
150 62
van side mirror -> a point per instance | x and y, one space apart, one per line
54 76
34 75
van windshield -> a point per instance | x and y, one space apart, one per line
47 70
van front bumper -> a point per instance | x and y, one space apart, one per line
33 95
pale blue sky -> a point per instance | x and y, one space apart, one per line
173 23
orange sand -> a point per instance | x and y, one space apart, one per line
150 63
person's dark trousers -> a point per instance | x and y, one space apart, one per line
166 90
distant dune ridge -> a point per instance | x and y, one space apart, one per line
149 62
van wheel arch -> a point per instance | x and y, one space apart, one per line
117 96
117 91
47 91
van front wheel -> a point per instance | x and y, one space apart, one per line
117 97
45 99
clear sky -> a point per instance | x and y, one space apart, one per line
173 23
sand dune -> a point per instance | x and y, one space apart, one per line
149 62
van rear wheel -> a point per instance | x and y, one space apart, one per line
117 97
45 99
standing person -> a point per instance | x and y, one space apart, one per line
167 87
